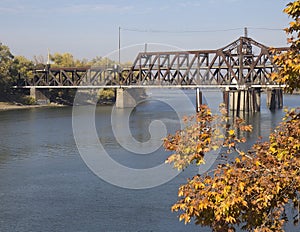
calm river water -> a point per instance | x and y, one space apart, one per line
46 186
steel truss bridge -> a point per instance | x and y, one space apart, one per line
243 62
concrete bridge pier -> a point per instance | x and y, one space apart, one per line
198 99
129 98
245 100
39 96
274 98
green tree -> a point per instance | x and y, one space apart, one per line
22 66
251 189
7 77
66 60
6 61
62 60
102 62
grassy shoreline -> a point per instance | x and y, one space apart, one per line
4 106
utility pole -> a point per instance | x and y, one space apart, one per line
119 46
48 56
246 32
48 60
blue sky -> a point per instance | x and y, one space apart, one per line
90 28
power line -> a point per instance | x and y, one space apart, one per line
266 28
178 31
197 31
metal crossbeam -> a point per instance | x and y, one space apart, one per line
243 62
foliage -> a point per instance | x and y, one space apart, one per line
202 134
13 66
106 94
22 66
65 60
6 61
27 100
250 189
289 62
102 62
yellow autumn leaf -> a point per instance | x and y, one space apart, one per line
278 188
241 186
215 147
230 219
231 132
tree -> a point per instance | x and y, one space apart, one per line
102 62
23 67
39 59
250 191
7 77
66 60
251 188
13 66
289 62
6 60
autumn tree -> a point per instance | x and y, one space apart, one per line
250 189
253 189
289 62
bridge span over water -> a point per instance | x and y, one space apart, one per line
241 69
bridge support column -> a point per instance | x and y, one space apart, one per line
226 98
256 99
274 98
39 96
128 98
198 99
233 100
245 100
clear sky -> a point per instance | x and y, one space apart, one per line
89 28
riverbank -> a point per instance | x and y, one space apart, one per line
4 106
16 106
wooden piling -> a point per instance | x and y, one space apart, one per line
279 98
256 100
226 99
245 100
274 98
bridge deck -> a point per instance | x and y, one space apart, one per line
153 86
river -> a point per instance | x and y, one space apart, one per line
46 186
